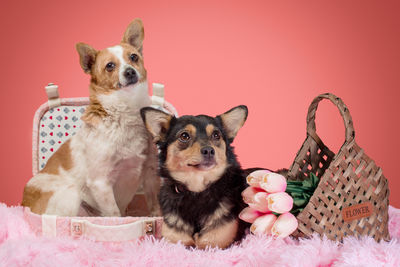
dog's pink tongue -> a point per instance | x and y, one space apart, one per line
203 165
206 165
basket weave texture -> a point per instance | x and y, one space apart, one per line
347 178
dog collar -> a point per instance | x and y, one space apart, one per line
179 189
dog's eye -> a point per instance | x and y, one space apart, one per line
216 135
184 137
110 66
134 57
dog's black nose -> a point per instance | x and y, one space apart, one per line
129 73
207 152
130 76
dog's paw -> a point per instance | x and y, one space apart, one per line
221 236
174 236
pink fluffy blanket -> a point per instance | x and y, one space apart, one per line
19 246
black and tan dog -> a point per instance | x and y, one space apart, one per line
201 193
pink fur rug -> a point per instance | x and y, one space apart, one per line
20 247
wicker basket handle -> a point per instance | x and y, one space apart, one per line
348 122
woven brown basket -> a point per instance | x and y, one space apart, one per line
352 197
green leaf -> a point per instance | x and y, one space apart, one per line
301 192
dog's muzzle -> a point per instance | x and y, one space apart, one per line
130 76
208 152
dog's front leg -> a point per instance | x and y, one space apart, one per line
174 235
220 236
151 180
102 192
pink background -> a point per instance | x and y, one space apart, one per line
273 56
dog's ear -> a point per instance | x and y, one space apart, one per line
134 34
157 122
87 56
233 120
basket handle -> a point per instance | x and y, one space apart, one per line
344 112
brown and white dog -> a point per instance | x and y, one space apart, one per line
100 168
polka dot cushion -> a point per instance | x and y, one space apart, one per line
56 126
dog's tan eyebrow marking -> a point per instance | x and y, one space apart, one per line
210 129
188 128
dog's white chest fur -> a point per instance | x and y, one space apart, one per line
118 146
121 135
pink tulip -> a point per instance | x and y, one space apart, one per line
248 194
273 183
263 224
259 202
280 202
249 215
284 225
254 178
